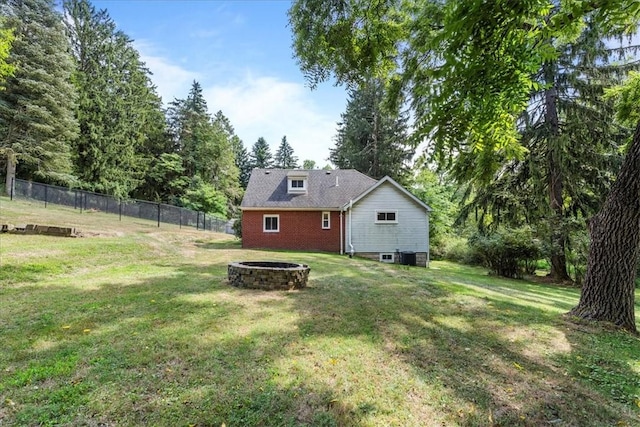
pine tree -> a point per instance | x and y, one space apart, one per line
243 163
261 155
284 158
36 109
206 146
118 109
372 138
573 146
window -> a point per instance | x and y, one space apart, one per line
326 220
271 223
387 258
387 217
297 181
297 185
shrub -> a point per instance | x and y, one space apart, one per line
507 252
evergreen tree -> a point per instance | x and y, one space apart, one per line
372 138
261 155
573 145
284 158
6 39
243 163
118 109
206 146
36 108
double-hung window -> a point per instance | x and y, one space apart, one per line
326 220
271 223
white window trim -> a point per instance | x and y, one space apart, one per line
390 261
386 211
264 223
328 218
292 189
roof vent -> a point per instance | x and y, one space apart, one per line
267 172
328 172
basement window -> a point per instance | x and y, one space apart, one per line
389 257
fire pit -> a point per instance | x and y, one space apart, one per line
268 275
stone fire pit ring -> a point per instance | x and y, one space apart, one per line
268 275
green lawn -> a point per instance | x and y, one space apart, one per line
135 325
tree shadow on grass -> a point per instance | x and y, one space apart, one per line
486 359
184 349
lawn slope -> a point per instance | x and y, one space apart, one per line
135 325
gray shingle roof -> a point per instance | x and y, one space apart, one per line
267 188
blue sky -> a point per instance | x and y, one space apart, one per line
240 52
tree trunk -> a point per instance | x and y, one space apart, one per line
555 177
608 292
11 172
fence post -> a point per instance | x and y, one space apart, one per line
85 200
45 195
198 221
204 221
181 218
120 209
13 184
158 215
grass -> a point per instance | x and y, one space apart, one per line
135 325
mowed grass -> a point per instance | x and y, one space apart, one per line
136 325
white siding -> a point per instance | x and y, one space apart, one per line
409 234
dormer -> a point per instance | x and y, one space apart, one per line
297 182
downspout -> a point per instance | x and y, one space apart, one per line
351 250
341 232
428 243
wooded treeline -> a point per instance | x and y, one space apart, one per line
78 108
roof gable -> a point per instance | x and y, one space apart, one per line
394 184
268 188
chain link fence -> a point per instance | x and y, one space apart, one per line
86 200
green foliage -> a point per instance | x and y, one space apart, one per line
6 39
469 66
119 111
309 164
237 225
440 196
373 138
203 197
207 146
37 130
507 252
627 99
260 155
284 158
243 163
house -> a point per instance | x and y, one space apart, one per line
342 211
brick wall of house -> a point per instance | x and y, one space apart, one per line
301 230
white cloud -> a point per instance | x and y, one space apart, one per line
266 107
171 80
271 108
